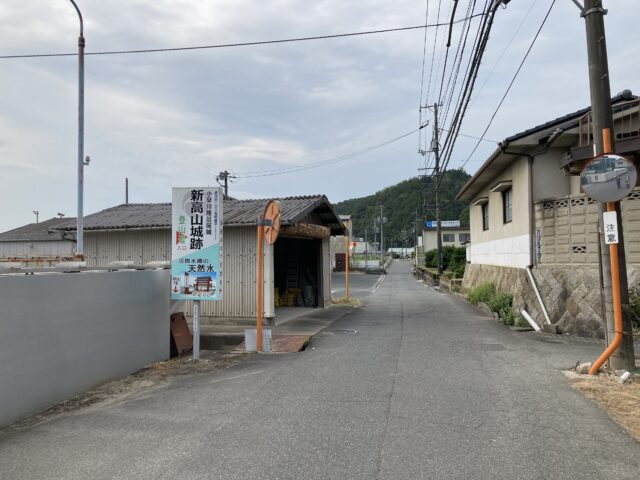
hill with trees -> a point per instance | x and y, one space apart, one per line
405 204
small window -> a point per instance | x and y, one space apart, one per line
464 237
448 237
507 205
485 216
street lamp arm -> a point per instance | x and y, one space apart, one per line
79 16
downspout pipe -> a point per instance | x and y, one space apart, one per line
538 296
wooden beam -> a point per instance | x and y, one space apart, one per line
306 230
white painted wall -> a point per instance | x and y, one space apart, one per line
506 252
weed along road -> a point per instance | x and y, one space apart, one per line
414 384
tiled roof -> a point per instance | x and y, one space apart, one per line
37 232
235 213
572 118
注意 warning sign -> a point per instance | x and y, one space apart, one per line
610 222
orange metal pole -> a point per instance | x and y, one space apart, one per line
615 282
259 289
346 268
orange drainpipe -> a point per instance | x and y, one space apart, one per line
615 282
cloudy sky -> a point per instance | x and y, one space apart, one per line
179 118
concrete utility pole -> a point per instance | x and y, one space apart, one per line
223 181
435 146
602 117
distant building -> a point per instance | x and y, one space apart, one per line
37 244
451 236
339 243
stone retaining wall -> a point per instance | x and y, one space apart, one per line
570 294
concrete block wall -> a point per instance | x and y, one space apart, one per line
64 333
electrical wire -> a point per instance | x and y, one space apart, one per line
493 116
504 51
232 45
322 163
424 57
483 35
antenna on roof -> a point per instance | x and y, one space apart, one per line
60 214
126 191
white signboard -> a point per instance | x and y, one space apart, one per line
610 222
196 243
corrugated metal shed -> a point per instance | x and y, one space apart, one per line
236 213
38 232
37 242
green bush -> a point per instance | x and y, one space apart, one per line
499 302
431 259
482 293
454 259
521 322
507 316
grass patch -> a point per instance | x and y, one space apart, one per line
482 293
352 302
621 402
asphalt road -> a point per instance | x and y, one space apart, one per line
415 384
360 284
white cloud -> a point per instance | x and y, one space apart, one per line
181 117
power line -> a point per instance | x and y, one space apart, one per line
465 94
232 45
495 65
493 116
424 57
322 163
424 51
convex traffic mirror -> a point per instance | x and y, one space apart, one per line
608 178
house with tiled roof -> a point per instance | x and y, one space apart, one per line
533 227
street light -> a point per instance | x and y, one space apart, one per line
81 162
36 213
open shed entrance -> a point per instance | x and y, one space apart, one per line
298 273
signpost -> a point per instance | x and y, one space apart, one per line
609 178
268 229
196 249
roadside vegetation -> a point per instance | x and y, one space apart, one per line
454 260
498 302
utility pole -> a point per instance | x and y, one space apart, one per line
435 146
381 239
602 118
366 251
37 214
223 181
